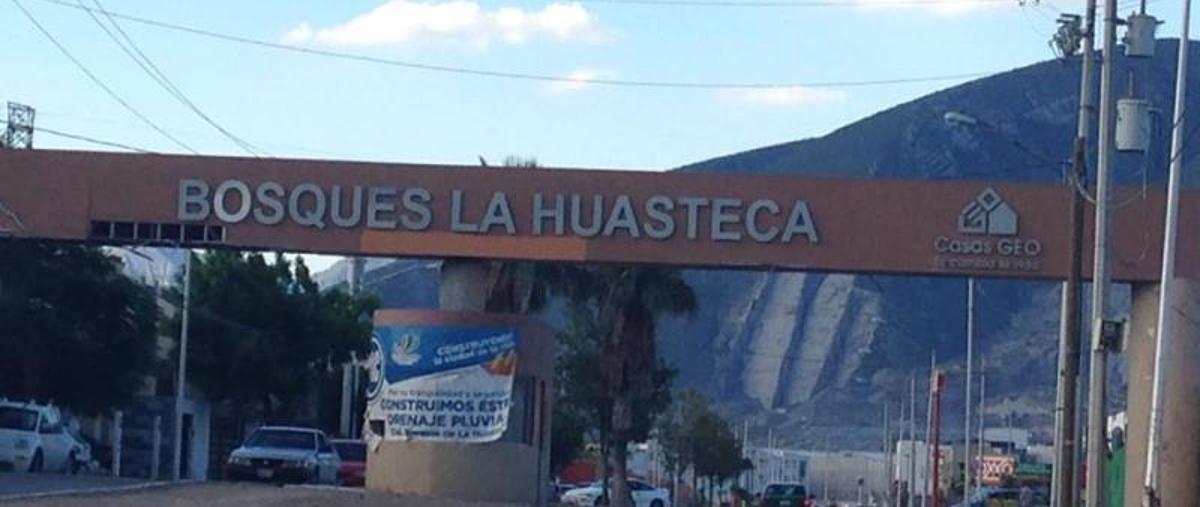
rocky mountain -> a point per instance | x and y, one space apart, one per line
815 356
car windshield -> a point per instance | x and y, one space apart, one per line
13 418
282 439
351 451
784 490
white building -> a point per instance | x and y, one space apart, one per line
911 463
773 465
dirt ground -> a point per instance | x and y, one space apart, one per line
215 494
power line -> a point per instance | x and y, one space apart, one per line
88 139
96 79
520 75
147 65
100 142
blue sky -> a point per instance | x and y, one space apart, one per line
296 105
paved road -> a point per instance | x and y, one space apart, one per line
218 494
23 484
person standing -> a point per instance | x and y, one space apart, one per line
1025 496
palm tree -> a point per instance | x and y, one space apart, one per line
629 301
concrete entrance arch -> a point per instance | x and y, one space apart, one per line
679 219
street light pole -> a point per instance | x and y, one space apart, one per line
1166 297
967 392
181 372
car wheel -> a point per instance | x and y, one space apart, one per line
656 503
35 465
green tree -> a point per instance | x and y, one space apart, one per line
626 303
73 328
264 335
525 288
693 436
676 429
583 389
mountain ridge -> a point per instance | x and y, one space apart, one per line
815 356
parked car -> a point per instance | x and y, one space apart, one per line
352 470
284 454
785 495
644 495
34 438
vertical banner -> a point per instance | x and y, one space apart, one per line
449 383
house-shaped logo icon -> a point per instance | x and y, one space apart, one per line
988 214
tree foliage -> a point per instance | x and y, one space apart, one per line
583 396
262 334
73 328
613 326
693 436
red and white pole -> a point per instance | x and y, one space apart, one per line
937 384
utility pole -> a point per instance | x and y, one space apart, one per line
1166 296
935 402
887 447
925 493
18 132
1063 492
1097 443
967 392
181 371
910 488
979 442
349 386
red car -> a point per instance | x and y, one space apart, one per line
353 468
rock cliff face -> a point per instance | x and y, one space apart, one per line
815 356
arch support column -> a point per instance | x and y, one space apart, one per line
1179 454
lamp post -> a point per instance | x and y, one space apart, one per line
1152 493
1063 490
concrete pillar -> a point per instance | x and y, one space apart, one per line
1139 356
155 446
118 429
462 285
1180 444
505 471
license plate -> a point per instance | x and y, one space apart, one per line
265 473
784 503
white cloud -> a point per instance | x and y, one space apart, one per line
788 96
299 34
578 80
940 7
402 21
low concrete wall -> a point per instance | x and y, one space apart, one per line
511 472
496 472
